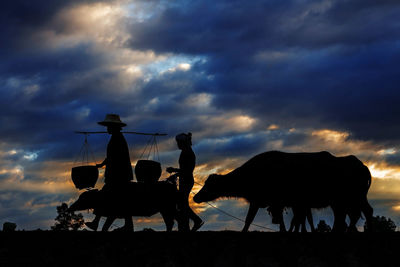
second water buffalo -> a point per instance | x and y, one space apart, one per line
297 180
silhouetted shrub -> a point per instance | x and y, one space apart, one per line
67 220
9 227
380 224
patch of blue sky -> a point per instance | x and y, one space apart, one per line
172 62
141 11
30 156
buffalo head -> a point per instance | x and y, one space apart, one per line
212 189
87 200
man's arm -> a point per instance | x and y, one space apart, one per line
102 164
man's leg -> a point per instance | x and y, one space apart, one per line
128 226
94 224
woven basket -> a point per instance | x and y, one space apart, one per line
84 176
147 171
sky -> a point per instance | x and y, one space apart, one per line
243 77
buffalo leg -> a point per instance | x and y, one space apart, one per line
294 221
354 215
303 221
292 225
250 216
168 220
107 224
282 227
276 211
305 216
278 218
298 220
339 223
310 219
94 224
368 213
128 226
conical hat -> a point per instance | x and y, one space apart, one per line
112 119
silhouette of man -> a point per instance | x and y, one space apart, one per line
118 172
187 162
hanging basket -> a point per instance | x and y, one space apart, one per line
84 176
147 171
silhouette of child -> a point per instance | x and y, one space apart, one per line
118 172
187 162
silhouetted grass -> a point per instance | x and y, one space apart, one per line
226 248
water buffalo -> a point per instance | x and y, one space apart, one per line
136 199
298 180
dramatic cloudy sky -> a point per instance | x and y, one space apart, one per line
243 76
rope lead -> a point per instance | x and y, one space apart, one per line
232 216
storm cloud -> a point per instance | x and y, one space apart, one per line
314 64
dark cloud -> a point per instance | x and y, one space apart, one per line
237 146
30 210
301 64
20 20
207 28
392 159
251 68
